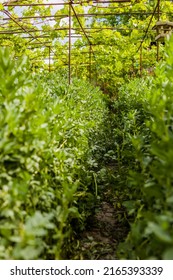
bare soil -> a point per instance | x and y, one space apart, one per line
104 232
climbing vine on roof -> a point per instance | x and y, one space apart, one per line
104 36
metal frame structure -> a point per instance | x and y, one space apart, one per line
37 35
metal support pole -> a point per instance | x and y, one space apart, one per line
158 45
90 49
69 46
141 49
83 30
96 75
49 59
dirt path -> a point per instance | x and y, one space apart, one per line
103 234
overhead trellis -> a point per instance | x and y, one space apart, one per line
42 31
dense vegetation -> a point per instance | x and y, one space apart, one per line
48 135
115 39
145 151
63 148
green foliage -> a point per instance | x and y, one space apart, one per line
115 39
55 139
146 150
46 131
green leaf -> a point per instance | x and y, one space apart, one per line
168 254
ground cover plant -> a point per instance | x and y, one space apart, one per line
46 137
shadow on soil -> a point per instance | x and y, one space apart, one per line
104 232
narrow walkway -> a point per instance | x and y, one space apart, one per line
104 232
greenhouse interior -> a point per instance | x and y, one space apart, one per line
86 130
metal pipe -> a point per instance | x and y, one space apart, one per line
153 13
63 3
90 61
84 15
158 45
67 28
141 48
49 59
69 46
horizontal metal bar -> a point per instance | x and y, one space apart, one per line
35 17
66 28
28 37
32 30
40 43
84 15
63 3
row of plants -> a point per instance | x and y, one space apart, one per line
143 136
58 147
47 159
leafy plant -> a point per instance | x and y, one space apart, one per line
47 130
148 188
